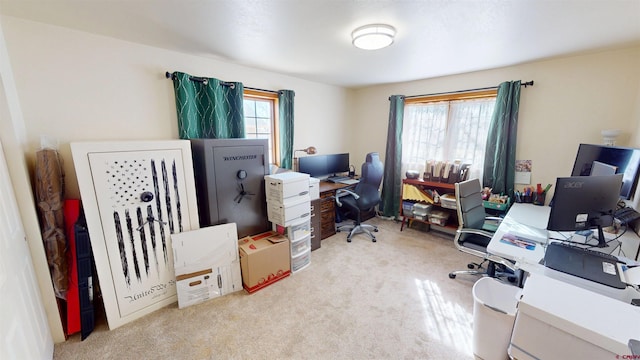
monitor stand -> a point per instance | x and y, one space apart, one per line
602 243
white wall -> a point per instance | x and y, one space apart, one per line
13 135
77 86
573 99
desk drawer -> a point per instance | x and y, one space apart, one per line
327 205
316 228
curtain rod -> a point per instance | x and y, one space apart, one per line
263 90
525 84
204 81
200 79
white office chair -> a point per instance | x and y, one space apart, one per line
475 231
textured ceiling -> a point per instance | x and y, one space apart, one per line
310 39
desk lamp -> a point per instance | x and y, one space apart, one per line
309 151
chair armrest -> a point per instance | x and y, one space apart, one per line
344 192
496 218
475 231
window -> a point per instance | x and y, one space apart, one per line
447 128
260 119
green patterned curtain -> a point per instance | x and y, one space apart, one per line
285 111
392 181
500 153
208 108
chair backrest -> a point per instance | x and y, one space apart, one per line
369 186
471 214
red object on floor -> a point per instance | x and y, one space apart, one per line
71 214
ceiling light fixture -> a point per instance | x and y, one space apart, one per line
373 37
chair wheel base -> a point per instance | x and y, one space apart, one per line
452 276
376 230
471 266
348 240
373 240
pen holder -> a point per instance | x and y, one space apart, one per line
524 198
538 198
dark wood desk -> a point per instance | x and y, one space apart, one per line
328 207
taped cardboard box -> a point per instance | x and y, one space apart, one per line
264 259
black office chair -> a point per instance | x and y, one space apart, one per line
475 231
363 198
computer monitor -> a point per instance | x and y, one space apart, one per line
338 163
315 166
593 159
585 202
321 166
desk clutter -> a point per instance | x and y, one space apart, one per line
428 202
577 299
535 196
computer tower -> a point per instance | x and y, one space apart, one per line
229 176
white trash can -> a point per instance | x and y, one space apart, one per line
494 312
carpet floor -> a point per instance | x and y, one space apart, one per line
362 300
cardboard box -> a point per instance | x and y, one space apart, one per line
291 212
286 187
264 259
206 263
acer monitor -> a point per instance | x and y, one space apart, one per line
585 202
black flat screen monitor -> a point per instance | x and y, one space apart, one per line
321 166
592 159
585 202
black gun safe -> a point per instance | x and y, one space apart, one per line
229 176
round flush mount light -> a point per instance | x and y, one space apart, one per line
373 37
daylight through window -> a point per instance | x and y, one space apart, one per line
447 128
260 120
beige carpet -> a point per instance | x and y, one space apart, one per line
361 300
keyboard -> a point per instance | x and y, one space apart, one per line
335 179
584 263
349 181
626 215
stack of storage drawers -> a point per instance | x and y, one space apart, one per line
289 207
421 211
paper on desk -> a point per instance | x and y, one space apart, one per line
632 275
518 241
531 233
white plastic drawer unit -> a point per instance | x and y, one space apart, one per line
301 246
301 261
299 230
286 187
289 213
